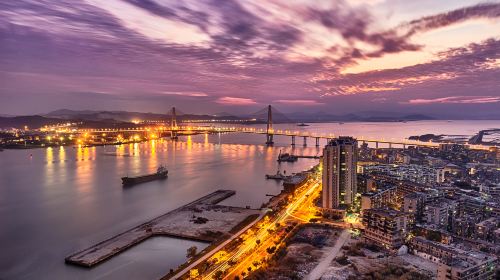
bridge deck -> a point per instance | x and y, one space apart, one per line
184 130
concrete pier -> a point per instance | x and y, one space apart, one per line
184 222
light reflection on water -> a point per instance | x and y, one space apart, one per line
65 199
60 201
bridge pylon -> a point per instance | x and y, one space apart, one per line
269 131
173 125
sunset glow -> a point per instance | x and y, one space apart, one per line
207 55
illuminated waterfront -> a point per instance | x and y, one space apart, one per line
57 200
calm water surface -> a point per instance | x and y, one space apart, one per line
56 201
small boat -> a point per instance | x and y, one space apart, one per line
161 173
287 157
302 124
277 176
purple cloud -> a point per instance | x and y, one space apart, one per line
456 100
484 10
252 53
235 101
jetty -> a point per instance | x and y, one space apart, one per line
200 220
314 157
292 158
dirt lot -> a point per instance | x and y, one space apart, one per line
359 261
301 255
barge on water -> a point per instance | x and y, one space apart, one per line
277 176
161 173
286 157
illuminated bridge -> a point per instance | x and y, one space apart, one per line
174 131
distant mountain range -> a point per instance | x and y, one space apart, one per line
118 118
89 118
31 121
373 116
125 116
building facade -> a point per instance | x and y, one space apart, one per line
421 174
385 227
468 266
340 158
455 263
441 213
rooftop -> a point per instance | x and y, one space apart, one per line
391 213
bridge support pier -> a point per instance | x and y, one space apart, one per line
376 145
404 146
293 140
390 145
173 125
305 141
317 141
270 131
173 135
269 139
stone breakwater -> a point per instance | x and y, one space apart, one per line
201 220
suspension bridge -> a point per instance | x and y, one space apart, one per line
174 130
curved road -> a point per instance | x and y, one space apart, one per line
216 249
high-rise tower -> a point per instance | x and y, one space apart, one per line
340 158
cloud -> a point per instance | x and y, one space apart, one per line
354 25
455 100
185 93
471 65
302 102
235 101
485 10
288 52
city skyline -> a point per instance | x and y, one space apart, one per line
310 56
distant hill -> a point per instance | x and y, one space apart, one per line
30 121
124 116
357 117
224 114
40 121
119 118
261 116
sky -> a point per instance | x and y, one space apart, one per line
440 58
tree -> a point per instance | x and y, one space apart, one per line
271 250
218 274
191 252
434 236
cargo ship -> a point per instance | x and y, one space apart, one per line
161 173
